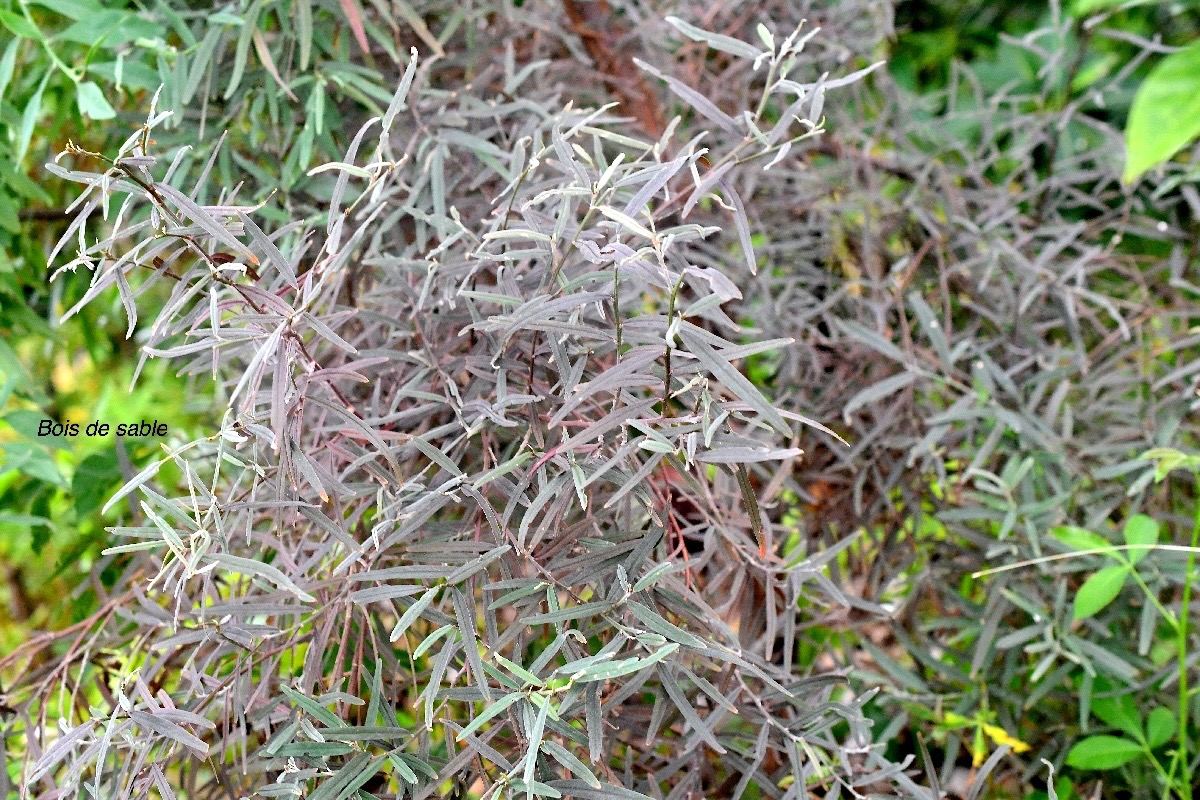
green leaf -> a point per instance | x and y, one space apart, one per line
1165 116
1100 590
314 709
29 117
664 628
7 64
33 461
534 743
111 27
573 612
1160 727
39 535
1079 538
1140 530
693 339
346 782
26 422
93 479
520 671
92 102
569 760
16 518
314 750
1119 712
404 769
75 9
429 641
1102 752
1169 459
653 575
411 614
495 709
20 26
1082 7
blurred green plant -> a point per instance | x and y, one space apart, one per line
1165 116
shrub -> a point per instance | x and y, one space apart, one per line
480 510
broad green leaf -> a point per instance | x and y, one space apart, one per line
1165 116
110 27
1119 712
1160 726
1100 590
94 478
1102 752
1140 530
92 102
27 423
34 461
1079 538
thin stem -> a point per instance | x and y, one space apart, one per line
666 396
766 95
45 43
1181 755
1163 612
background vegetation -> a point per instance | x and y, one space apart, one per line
977 290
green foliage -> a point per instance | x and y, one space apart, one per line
1141 534
1102 752
1165 116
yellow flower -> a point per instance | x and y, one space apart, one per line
1002 737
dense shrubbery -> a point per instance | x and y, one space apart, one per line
501 488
